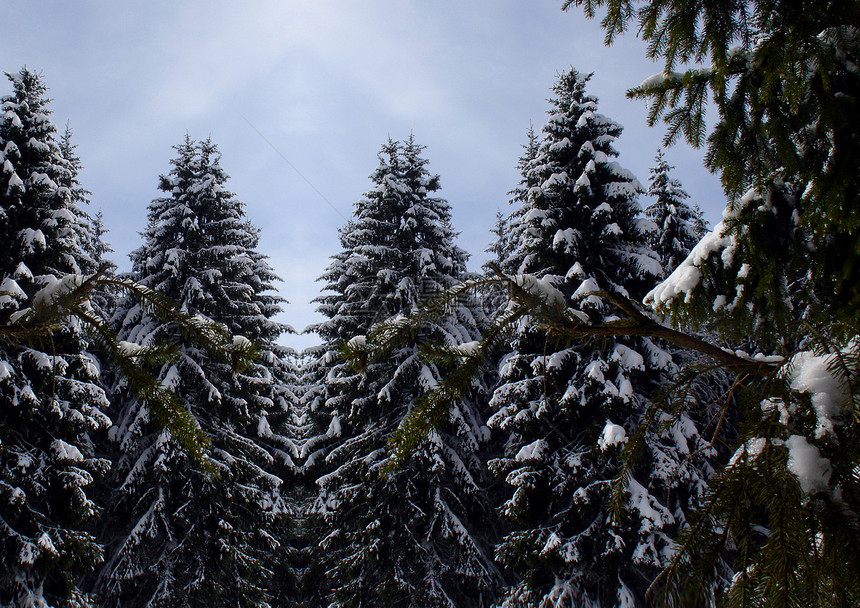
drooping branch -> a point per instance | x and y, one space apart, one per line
646 326
66 298
49 315
554 320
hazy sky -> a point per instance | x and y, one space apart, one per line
326 82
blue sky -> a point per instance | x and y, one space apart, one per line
326 82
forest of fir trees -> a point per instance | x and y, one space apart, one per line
624 408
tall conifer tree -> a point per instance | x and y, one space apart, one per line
181 535
516 225
678 226
417 537
50 395
589 530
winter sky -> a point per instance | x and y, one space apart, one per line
326 82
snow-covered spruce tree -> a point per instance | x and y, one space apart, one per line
516 226
417 536
590 529
50 395
90 229
678 226
100 248
496 298
508 228
89 233
178 534
500 247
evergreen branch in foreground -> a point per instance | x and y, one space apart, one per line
432 409
66 298
529 298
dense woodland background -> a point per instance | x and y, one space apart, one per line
626 408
